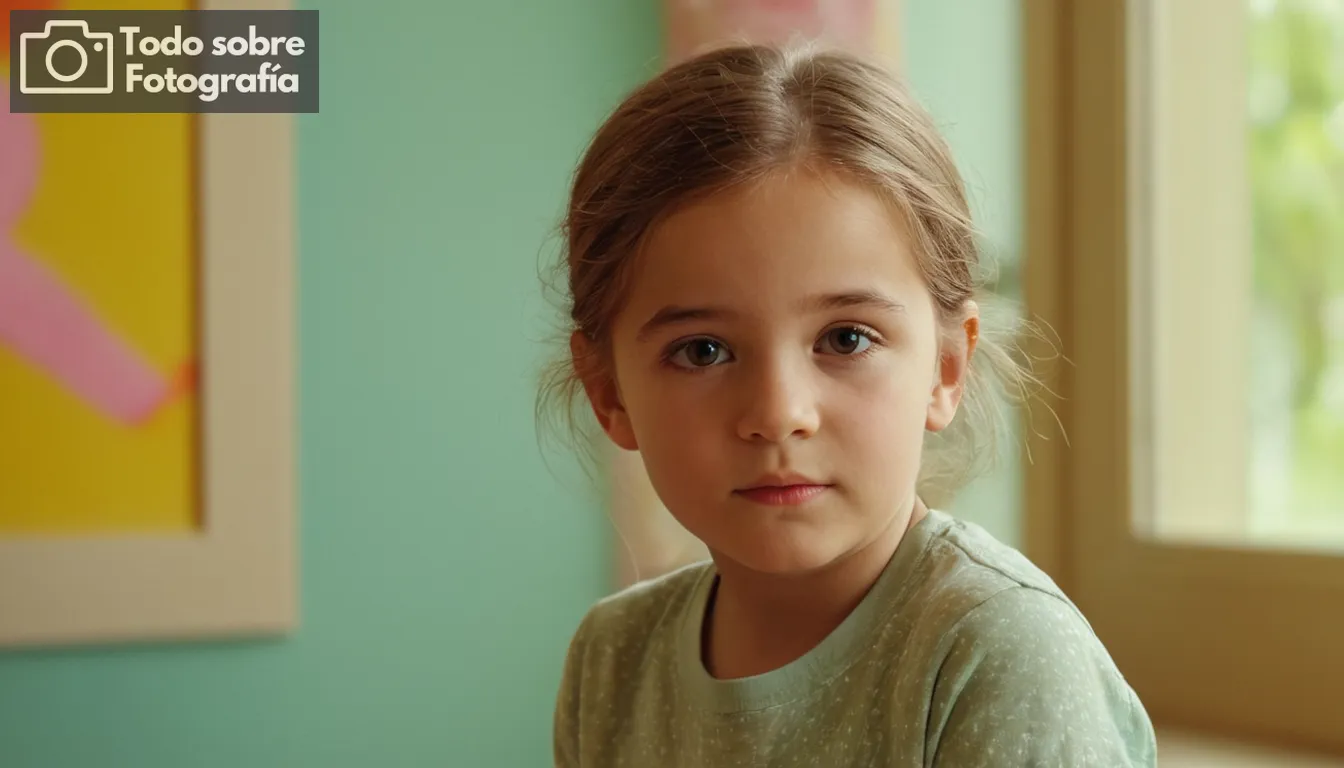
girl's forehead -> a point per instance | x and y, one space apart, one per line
800 233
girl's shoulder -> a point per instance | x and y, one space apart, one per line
1002 639
979 548
962 566
629 622
965 591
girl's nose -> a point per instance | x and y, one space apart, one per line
780 404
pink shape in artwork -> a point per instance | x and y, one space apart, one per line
695 24
42 319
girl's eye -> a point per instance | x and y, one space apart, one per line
846 341
699 353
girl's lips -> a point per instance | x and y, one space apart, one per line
783 495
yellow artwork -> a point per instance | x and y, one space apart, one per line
98 317
147 370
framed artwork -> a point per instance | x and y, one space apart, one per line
147 449
868 26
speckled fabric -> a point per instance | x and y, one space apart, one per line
963 654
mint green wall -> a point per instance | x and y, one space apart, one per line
963 59
443 564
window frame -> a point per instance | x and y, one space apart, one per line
1224 638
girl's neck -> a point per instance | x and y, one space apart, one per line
759 622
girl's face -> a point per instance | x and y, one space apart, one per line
776 365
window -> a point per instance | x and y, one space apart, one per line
1237 206
1186 237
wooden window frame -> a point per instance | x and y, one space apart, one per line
1223 638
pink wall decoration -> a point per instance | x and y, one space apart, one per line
43 320
693 25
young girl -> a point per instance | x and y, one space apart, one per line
770 267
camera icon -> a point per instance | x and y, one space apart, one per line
39 71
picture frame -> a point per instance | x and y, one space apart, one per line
236 574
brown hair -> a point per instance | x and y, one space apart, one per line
731 116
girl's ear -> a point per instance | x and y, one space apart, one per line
603 394
954 360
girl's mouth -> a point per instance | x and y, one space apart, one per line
783 495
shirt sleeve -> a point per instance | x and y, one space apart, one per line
1027 683
565 734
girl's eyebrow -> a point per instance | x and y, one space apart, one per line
674 314
847 299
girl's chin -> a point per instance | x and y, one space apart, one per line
782 560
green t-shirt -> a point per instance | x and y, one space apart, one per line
963 654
